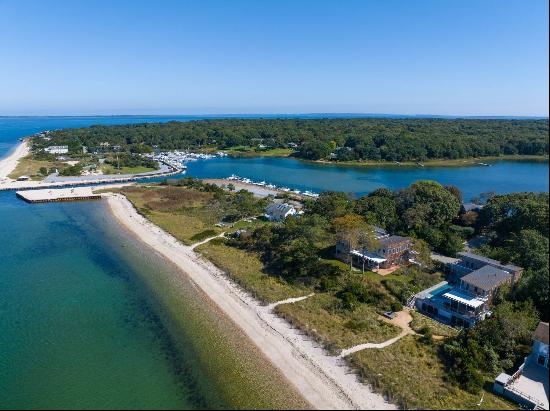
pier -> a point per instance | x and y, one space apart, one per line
55 195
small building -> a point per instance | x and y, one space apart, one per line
279 211
57 149
528 386
467 207
390 250
476 280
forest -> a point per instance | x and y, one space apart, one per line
355 139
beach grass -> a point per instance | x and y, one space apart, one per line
411 374
247 270
337 329
177 210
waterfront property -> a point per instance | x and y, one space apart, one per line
528 386
57 149
388 251
470 262
476 280
279 211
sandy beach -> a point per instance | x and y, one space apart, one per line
8 164
323 380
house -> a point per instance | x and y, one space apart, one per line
528 386
390 250
279 211
470 262
57 149
476 281
467 207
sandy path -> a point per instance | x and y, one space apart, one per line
323 380
402 319
289 301
193 246
8 164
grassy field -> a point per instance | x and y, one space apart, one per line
248 151
109 169
412 375
246 269
28 166
334 328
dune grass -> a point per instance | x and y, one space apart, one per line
412 375
246 269
337 329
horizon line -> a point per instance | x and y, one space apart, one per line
341 114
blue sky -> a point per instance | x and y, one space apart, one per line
463 57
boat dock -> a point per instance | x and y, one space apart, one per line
54 195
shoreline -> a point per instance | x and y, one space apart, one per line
324 381
9 163
443 163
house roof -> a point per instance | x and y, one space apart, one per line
281 208
541 333
471 207
392 239
487 277
478 257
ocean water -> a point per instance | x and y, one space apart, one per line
90 318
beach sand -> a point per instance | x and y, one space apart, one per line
324 381
8 164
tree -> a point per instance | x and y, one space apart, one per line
349 228
330 204
438 205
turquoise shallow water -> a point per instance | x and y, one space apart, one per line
77 329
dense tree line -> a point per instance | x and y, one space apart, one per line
515 227
341 139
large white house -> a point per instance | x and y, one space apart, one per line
279 211
57 149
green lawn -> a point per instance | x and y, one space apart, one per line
248 151
247 270
411 374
